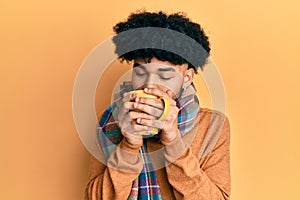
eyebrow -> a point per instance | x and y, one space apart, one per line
139 65
160 69
166 69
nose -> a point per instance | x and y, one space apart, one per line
150 81
150 85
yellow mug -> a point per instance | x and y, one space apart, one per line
165 113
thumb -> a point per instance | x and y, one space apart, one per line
169 93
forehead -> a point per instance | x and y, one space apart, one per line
160 66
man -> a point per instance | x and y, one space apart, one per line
189 157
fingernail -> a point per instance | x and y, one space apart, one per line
137 99
138 120
146 89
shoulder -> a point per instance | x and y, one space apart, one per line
215 114
212 118
212 128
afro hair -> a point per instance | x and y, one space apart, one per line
177 23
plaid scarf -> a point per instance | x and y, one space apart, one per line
145 186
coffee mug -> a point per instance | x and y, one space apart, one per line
165 113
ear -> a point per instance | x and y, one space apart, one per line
189 76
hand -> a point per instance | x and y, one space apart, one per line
154 107
127 120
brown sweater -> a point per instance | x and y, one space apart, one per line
199 164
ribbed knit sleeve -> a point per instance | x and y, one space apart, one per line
204 179
114 181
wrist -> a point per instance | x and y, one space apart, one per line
126 158
171 138
175 148
127 146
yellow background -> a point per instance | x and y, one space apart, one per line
255 45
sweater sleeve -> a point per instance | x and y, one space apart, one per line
114 181
205 181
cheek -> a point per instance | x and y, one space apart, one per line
137 82
174 85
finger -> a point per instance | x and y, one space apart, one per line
158 103
131 116
128 97
126 107
160 93
138 127
152 123
127 103
135 115
169 93
123 111
148 109
131 128
124 121
155 91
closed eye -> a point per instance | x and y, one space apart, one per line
165 78
140 73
